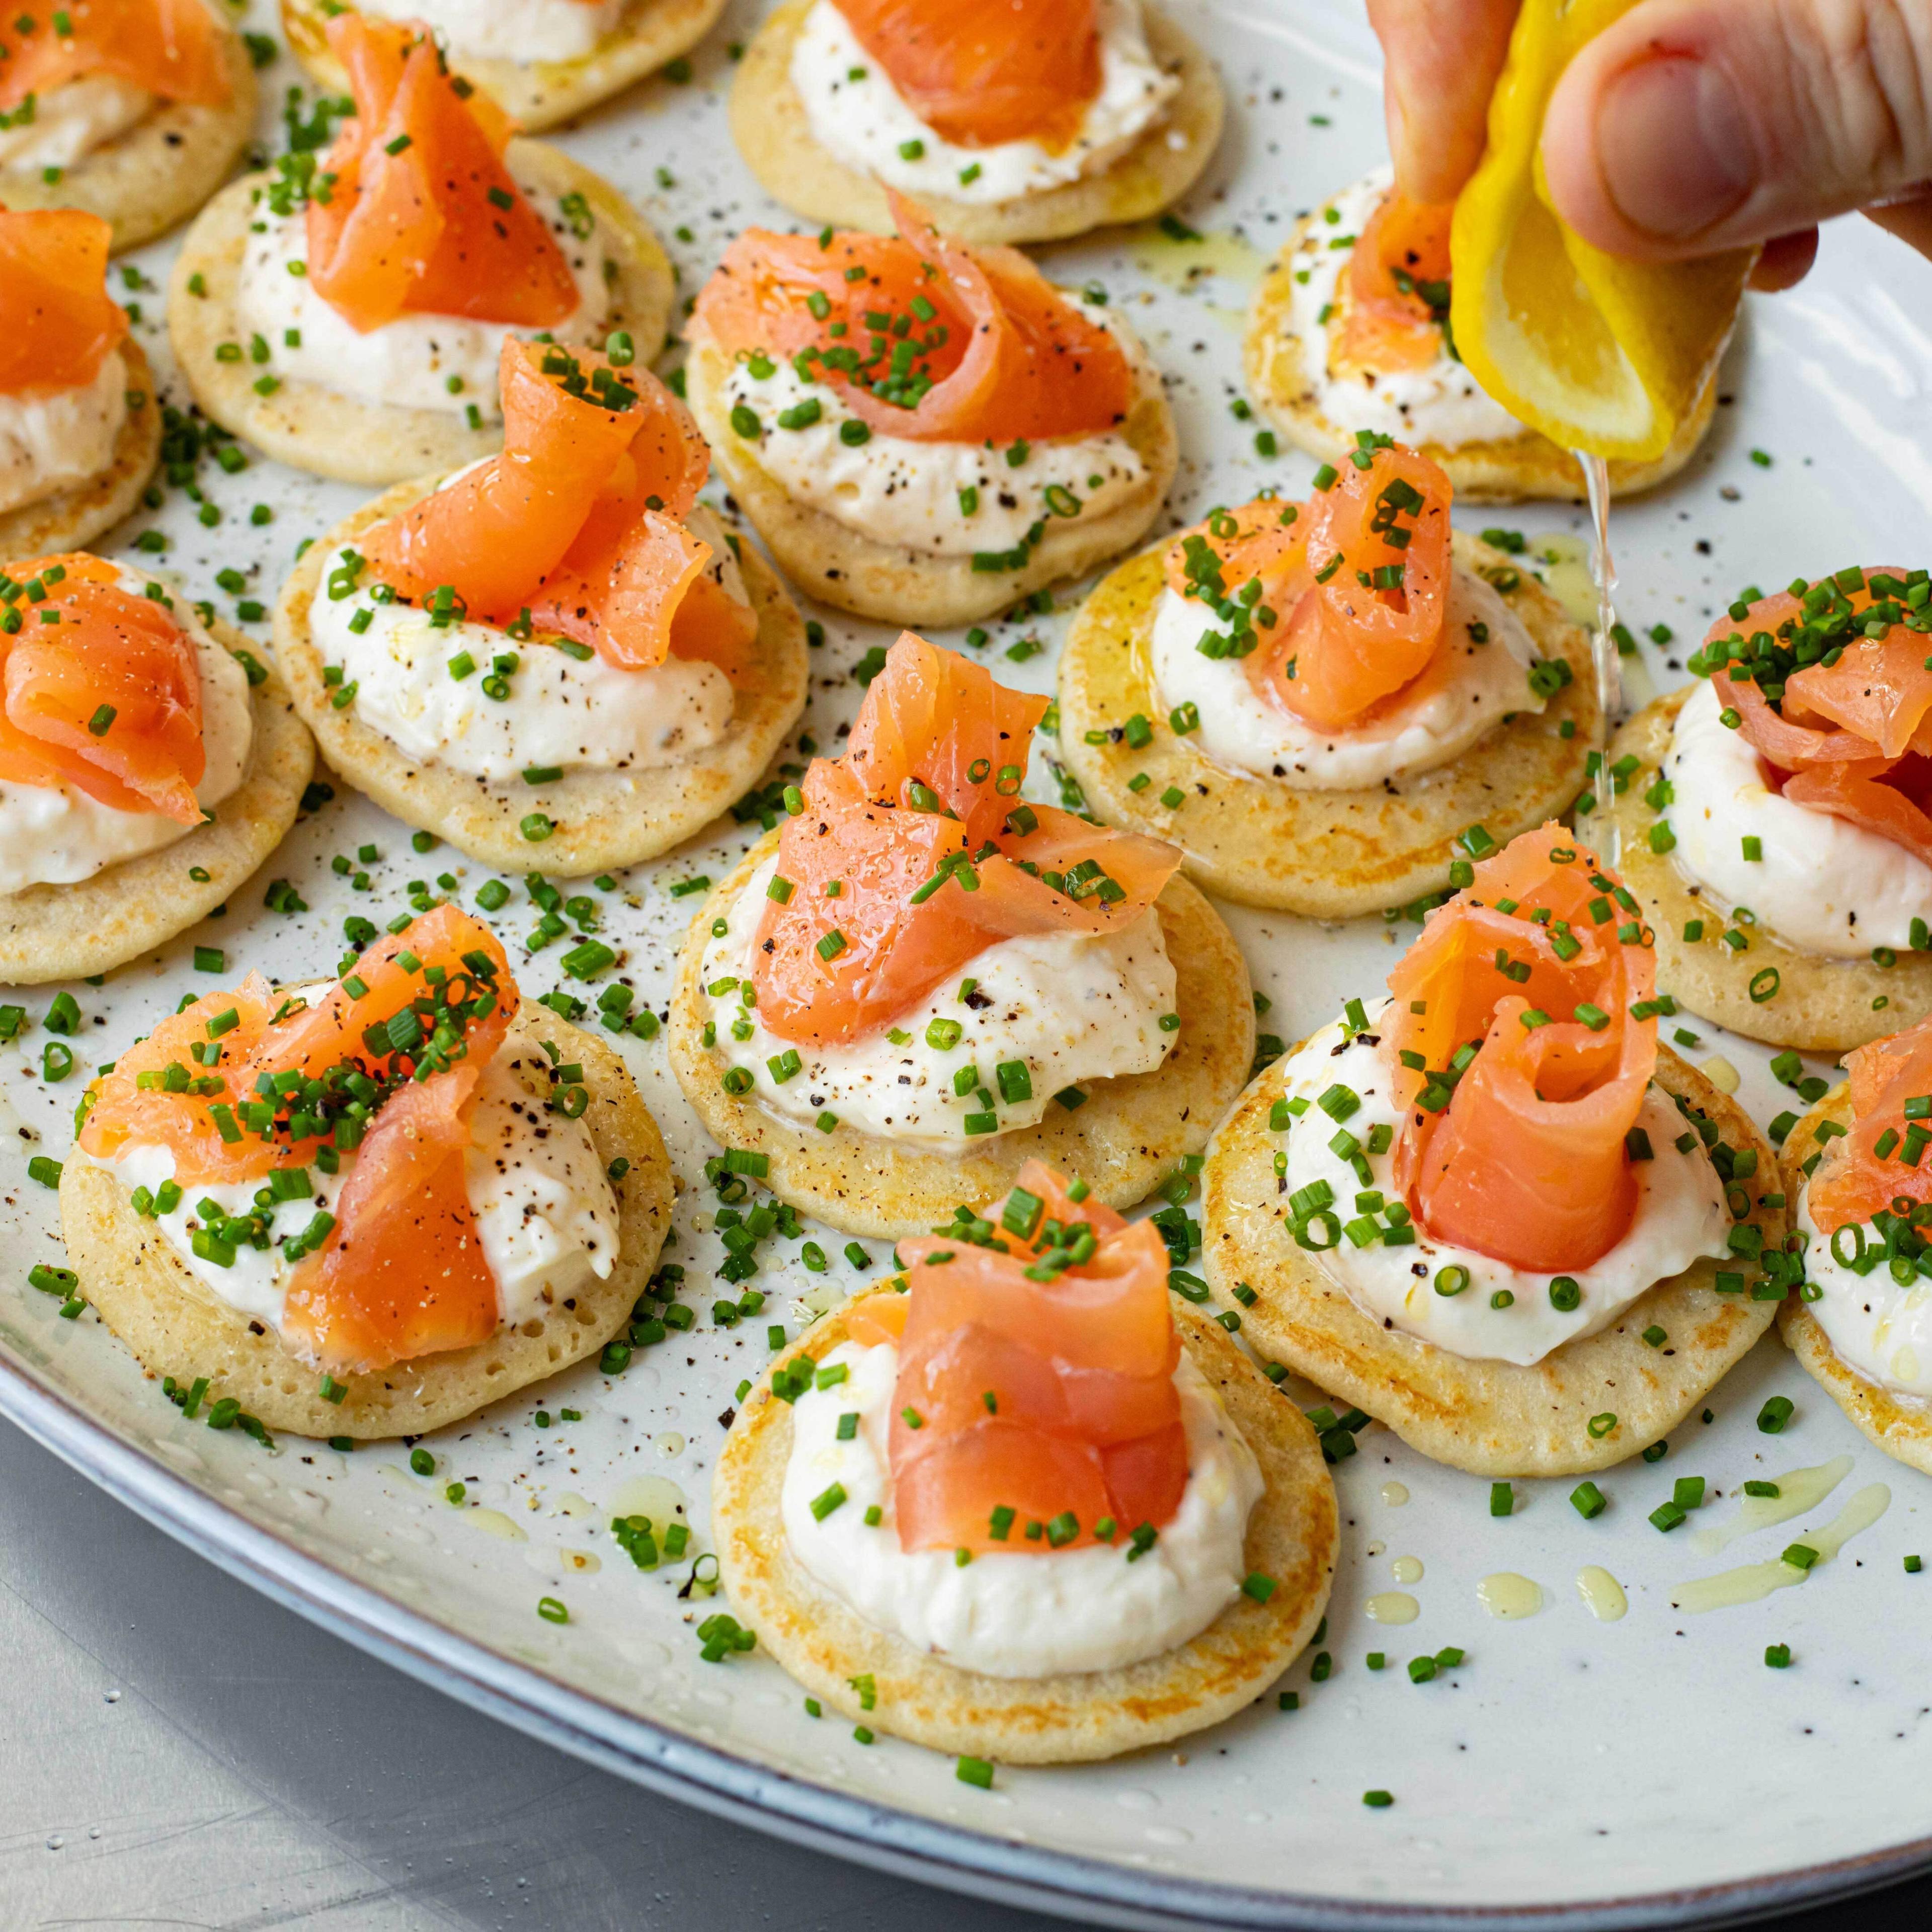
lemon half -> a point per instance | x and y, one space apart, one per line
1603 356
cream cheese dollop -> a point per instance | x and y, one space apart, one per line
562 711
1038 1614
57 836
54 440
69 122
1244 730
546 1217
1822 883
940 498
1681 1216
1879 1326
1054 1011
1442 405
442 362
857 115
522 30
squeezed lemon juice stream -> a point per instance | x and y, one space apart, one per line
1602 651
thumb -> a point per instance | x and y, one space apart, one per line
1441 58
1690 125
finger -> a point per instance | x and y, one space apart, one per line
1908 217
1442 57
1690 125
1786 262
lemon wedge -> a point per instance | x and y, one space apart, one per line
1603 356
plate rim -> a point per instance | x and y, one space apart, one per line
843 1824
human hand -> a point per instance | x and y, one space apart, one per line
1688 126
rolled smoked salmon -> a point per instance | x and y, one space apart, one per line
980 75
169 48
935 341
420 214
386 1064
403 1273
62 323
1398 289
1349 596
1854 1181
935 858
1511 1038
1047 1415
577 521
1846 725
106 698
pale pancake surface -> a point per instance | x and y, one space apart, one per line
1492 1418
603 820
837 565
1129 1133
1074 1717
1818 1005
1900 1425
774 134
310 426
67 931
71 518
1328 855
152 177
539 94
150 1298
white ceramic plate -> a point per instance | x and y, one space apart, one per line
1647 1770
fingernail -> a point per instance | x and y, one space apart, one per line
1396 119
1674 146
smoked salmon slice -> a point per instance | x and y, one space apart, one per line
578 522
920 827
169 48
1379 555
446 943
1881 693
1511 1038
386 1064
1339 604
1035 1407
466 959
979 76
1855 1181
102 690
1398 289
941 722
1264 542
402 1274
420 214
61 324
1842 717
924 337
131 1111
1883 796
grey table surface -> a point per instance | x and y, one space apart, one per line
176 1751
